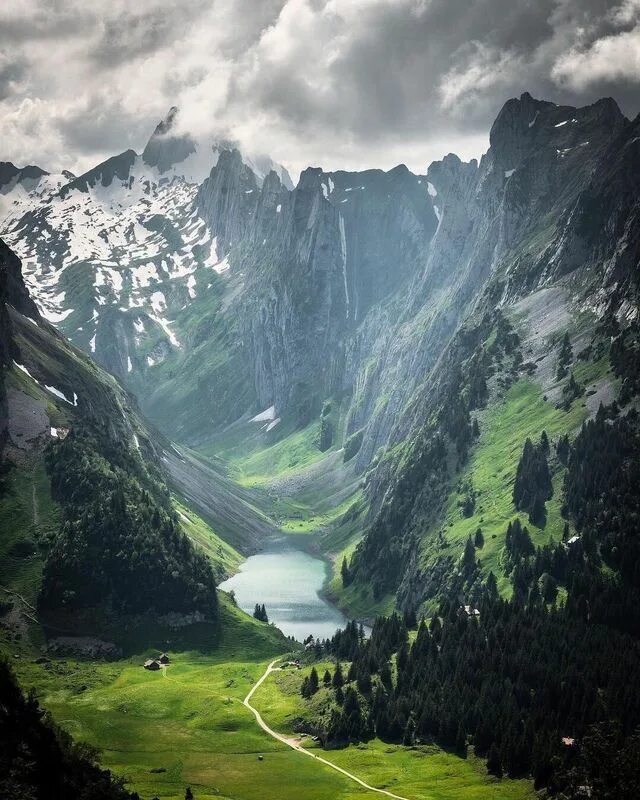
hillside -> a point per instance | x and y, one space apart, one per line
432 377
92 531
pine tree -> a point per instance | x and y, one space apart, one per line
344 571
469 557
314 683
326 678
409 732
494 763
338 678
478 538
565 357
544 443
188 795
461 740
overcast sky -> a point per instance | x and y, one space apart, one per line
333 83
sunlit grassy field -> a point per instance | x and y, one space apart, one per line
418 772
164 731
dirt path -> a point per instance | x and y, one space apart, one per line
294 745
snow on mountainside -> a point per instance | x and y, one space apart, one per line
21 188
113 251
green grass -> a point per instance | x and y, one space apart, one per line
423 771
281 459
224 558
28 519
491 470
305 519
186 728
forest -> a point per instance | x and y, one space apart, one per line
120 546
529 680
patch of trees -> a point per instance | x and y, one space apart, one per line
570 392
565 357
310 684
538 688
513 681
38 760
260 613
120 546
604 765
601 490
532 485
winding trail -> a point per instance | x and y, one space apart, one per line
295 746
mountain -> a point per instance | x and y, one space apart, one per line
21 188
349 312
538 266
93 531
435 375
110 254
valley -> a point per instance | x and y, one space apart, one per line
400 411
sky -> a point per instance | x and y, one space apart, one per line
342 84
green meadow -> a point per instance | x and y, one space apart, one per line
422 772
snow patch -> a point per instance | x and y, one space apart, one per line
158 303
61 395
431 189
222 266
269 414
508 173
273 424
26 372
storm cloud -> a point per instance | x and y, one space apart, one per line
337 83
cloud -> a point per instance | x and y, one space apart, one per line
608 54
340 83
610 60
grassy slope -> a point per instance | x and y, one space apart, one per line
421 772
504 427
224 558
188 728
492 467
27 516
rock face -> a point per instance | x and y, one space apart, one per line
213 288
165 148
314 261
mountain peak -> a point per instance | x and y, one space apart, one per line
10 173
166 149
